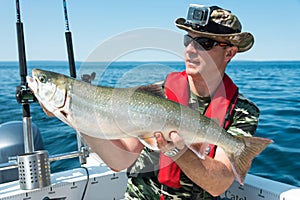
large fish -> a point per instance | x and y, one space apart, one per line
114 113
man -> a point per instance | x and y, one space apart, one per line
213 38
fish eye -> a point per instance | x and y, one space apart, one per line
42 78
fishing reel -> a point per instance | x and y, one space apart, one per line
24 95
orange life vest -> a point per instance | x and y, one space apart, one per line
220 107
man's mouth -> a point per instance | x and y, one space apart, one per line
194 62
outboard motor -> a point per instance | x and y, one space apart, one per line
12 144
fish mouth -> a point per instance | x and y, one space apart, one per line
32 84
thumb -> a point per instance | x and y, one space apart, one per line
161 142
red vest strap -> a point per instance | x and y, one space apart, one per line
220 107
222 102
177 87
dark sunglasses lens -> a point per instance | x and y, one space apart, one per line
187 40
201 43
206 44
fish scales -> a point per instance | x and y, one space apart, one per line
116 113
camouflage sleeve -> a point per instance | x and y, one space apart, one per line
245 117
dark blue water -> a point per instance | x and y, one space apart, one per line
273 86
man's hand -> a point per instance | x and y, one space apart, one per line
170 148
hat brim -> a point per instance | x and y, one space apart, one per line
243 41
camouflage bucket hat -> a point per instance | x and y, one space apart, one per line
216 23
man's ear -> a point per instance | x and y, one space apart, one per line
230 53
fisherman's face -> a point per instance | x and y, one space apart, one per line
204 63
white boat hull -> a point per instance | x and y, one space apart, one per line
103 184
106 184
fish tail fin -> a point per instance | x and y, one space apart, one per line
241 160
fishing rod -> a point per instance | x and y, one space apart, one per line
23 94
80 143
68 35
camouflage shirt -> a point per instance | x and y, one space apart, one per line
142 176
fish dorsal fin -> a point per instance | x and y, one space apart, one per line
154 89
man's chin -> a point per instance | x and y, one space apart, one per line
191 71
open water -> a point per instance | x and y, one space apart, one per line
273 86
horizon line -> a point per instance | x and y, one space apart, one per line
148 61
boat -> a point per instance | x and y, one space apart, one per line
94 180
24 179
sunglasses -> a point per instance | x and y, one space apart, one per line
203 43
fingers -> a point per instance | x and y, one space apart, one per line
177 140
164 145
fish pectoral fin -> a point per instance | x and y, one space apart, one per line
149 141
200 149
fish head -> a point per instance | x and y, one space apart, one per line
49 88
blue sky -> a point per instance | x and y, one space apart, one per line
274 24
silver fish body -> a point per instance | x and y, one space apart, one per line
115 113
